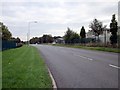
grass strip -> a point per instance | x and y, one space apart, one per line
24 68
107 49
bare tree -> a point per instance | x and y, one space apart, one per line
97 27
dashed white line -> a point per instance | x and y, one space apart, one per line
90 59
84 57
114 66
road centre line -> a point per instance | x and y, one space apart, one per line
84 57
78 55
114 66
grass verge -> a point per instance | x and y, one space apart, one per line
24 68
115 50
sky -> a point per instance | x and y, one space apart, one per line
54 16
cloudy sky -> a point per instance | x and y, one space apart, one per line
54 16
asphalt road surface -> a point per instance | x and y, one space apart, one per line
79 68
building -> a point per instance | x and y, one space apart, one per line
104 37
60 40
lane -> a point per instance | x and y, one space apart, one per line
80 68
105 57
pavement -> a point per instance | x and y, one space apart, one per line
79 68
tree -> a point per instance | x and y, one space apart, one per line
71 37
113 30
6 34
68 35
17 40
34 40
83 34
97 27
47 39
55 37
40 40
75 38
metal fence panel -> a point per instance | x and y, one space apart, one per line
8 44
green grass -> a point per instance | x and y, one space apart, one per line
24 68
107 49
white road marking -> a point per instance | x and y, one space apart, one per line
114 66
84 57
53 80
90 59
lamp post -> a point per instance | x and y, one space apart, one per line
28 34
105 37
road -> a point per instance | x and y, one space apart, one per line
79 68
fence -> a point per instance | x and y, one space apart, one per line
0 44
8 44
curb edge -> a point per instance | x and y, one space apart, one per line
53 80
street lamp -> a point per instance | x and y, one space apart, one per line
105 36
28 34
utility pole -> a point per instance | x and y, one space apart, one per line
29 23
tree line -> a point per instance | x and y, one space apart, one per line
72 37
97 28
44 39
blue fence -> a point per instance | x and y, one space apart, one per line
8 44
0 44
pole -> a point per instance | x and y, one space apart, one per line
105 37
27 39
28 33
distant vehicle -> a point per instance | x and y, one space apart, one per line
54 43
